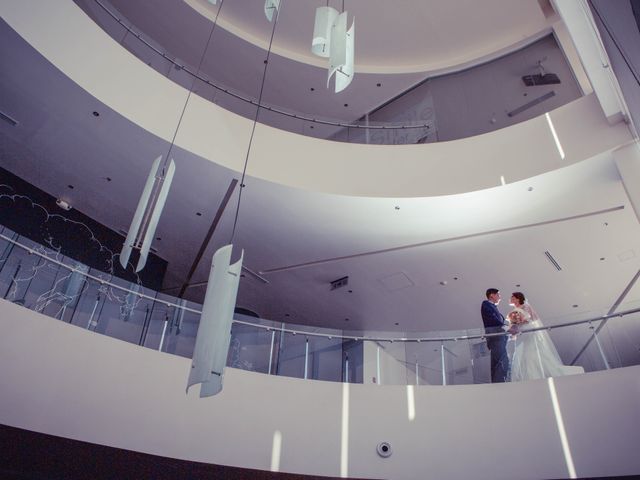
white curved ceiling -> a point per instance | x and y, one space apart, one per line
400 36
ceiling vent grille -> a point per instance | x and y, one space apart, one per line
552 260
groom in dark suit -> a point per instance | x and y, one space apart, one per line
493 323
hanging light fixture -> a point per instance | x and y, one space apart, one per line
214 331
332 39
150 206
269 7
154 195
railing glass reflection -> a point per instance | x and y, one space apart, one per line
43 280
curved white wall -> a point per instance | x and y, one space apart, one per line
65 381
87 55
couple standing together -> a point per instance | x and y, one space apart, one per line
534 357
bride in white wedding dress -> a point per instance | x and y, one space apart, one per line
535 355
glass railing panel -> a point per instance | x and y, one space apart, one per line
180 335
592 356
480 360
26 276
389 362
86 309
626 334
424 363
62 298
457 361
124 310
327 359
291 354
252 348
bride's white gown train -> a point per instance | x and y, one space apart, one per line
535 356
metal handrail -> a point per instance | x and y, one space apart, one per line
427 339
249 100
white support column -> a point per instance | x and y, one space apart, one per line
581 26
568 48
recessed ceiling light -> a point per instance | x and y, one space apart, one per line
397 207
158 238
346 319
346 104
96 114
443 282
311 127
350 291
198 214
312 89
378 84
575 306
530 189
70 186
287 315
108 179
397 323
601 259
518 285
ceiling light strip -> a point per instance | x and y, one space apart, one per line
443 240
555 135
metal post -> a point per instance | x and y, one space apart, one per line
306 358
93 312
273 339
444 373
164 331
346 369
378 379
366 130
417 376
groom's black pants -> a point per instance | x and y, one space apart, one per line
499 359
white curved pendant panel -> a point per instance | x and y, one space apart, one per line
155 215
214 331
338 45
270 6
324 20
134 229
344 75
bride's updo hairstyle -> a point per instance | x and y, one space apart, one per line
520 297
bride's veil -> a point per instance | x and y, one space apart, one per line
529 309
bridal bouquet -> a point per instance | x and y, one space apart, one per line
517 317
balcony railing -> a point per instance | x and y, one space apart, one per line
41 279
149 52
